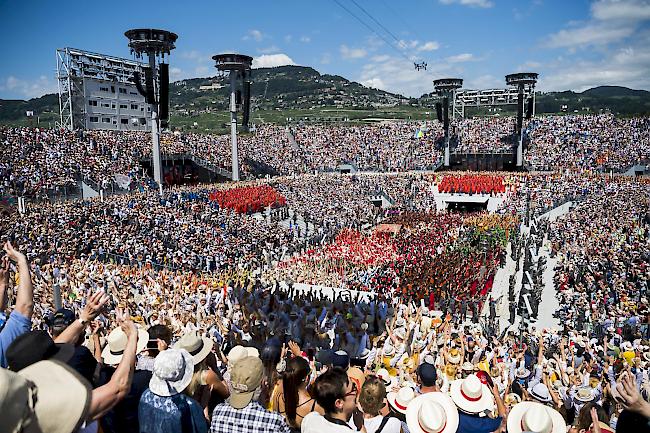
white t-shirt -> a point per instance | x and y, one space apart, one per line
393 425
314 422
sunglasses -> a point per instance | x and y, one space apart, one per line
354 391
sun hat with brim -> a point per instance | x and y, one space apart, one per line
198 347
535 417
245 378
400 333
172 372
400 400
453 356
116 344
385 377
584 394
34 346
522 373
467 366
433 412
512 399
471 396
16 403
540 393
61 398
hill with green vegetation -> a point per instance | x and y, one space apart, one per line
298 92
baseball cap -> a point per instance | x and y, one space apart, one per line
427 374
62 317
341 359
245 378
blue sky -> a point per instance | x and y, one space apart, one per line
572 44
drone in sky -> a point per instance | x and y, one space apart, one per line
420 66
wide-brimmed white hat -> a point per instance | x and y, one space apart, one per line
172 372
535 417
400 400
400 333
540 393
389 351
453 356
47 396
522 373
471 396
584 394
198 347
389 381
433 412
626 346
116 344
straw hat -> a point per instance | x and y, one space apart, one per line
198 347
584 394
471 396
467 366
512 399
400 400
433 412
535 417
116 344
47 396
453 356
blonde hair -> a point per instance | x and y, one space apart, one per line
372 395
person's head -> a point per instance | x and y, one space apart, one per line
294 377
372 397
172 372
245 378
34 346
158 333
335 393
427 375
583 419
60 320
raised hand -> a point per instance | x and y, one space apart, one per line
15 255
94 305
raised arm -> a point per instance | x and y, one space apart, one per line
4 283
107 396
25 297
94 305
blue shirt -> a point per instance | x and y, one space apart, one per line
15 326
477 424
158 414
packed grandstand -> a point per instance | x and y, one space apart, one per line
294 302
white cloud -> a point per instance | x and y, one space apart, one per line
397 75
460 58
175 73
305 39
627 66
486 81
375 83
429 46
407 44
254 34
625 10
611 21
202 70
28 88
352 53
272 60
268 50
591 34
471 3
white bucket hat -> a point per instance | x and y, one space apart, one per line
198 347
471 396
116 344
401 399
172 372
433 412
529 416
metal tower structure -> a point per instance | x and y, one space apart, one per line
238 66
524 82
154 44
446 88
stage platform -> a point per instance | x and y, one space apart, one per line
488 202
